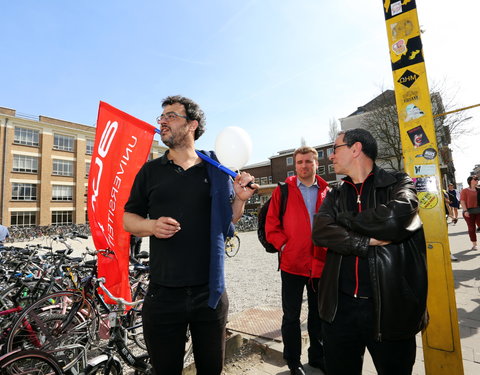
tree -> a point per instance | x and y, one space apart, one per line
332 130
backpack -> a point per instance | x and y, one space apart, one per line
262 218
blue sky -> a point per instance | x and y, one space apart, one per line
280 69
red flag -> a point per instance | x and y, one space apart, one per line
122 145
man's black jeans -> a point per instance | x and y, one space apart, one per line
351 331
292 297
166 314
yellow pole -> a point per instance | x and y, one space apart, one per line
441 339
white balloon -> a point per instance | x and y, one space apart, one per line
233 147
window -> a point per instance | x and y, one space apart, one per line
290 173
28 137
62 167
270 180
320 154
24 163
263 181
290 160
23 218
24 192
63 142
321 170
329 151
87 168
89 150
62 217
257 180
331 169
62 193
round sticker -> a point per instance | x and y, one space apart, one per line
427 200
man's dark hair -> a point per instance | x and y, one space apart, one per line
369 144
192 109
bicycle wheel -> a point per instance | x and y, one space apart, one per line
29 362
103 364
63 324
232 246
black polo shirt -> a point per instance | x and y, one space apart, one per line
162 188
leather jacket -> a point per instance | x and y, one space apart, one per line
398 271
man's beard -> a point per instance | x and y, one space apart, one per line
176 138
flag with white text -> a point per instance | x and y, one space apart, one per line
122 145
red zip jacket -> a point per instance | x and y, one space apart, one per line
300 256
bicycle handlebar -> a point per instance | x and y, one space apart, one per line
119 300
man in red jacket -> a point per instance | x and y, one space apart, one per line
301 262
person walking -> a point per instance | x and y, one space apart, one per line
454 198
4 233
373 289
301 263
187 207
471 211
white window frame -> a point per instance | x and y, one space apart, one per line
26 136
25 216
263 180
331 169
63 142
62 193
89 146
62 217
290 173
25 163
329 151
289 160
62 167
321 154
321 170
24 191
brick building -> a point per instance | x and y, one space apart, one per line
44 165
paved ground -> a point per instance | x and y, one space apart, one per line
467 282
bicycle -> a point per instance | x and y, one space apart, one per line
232 245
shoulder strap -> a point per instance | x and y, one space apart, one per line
283 198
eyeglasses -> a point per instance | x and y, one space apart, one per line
169 116
338 146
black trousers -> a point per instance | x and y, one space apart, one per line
166 314
292 296
346 338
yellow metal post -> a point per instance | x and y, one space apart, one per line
441 339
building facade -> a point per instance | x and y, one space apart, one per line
44 166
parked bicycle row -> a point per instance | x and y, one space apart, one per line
29 233
53 320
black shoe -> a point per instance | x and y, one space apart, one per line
297 370
318 364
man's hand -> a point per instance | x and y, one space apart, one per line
165 227
240 186
375 242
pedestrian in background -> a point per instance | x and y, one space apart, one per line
4 233
454 198
471 210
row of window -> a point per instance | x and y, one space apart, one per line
28 218
31 137
29 164
28 192
289 159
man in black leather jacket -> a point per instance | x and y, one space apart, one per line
373 290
